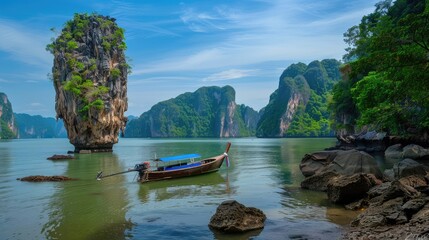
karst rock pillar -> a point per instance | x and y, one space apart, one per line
90 80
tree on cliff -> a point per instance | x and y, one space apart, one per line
90 80
387 69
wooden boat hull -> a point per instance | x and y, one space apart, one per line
207 165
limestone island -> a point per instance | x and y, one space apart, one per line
90 80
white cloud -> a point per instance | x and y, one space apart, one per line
23 44
281 31
203 21
194 61
229 74
254 51
36 104
175 46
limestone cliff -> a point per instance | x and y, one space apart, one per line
7 120
90 80
298 108
283 105
207 112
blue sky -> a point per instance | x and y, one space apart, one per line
178 46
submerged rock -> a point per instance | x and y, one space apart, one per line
39 178
233 217
60 157
90 81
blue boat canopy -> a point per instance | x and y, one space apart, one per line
179 157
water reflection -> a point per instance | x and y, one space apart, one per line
264 173
86 208
5 188
238 236
308 204
5 159
202 185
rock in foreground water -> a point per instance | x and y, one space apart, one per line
346 189
60 157
233 217
39 178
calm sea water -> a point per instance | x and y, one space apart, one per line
264 173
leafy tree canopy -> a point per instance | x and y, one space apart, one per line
387 69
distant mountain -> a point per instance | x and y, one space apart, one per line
298 108
131 117
7 120
207 112
39 127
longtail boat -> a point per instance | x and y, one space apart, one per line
175 167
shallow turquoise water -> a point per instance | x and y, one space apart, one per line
264 173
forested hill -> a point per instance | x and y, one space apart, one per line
207 112
7 121
387 72
39 127
298 108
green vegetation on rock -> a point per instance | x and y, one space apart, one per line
89 75
7 120
387 81
5 132
207 112
312 120
299 107
80 70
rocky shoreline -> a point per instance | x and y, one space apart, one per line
394 203
373 142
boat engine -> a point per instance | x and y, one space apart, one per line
142 166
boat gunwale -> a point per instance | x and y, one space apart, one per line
203 163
